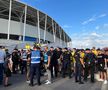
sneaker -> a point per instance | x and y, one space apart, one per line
76 81
101 80
28 81
105 82
31 85
39 84
88 76
7 85
81 83
48 82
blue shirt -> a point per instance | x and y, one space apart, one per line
45 57
2 56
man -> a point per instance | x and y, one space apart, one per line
15 59
2 58
47 60
59 54
89 61
53 62
78 67
28 66
7 70
66 63
35 65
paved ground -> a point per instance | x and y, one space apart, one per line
18 83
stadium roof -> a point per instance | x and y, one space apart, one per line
18 15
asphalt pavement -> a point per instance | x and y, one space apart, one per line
19 83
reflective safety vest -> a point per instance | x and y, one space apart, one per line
45 57
24 56
35 57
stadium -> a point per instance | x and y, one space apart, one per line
22 24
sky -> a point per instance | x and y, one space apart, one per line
85 21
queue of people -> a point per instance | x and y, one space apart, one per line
54 62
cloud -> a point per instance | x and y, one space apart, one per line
102 15
88 40
103 27
89 20
67 26
93 18
95 34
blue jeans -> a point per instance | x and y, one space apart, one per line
1 73
35 69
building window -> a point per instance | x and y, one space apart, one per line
3 36
14 37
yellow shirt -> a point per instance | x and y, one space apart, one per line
82 54
72 58
95 52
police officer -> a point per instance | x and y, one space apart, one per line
66 63
89 61
35 65
78 67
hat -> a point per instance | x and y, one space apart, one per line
87 49
66 48
8 55
98 49
105 49
51 47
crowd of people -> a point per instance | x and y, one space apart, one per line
54 62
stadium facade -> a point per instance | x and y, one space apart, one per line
21 23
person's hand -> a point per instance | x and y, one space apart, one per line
105 67
47 65
83 66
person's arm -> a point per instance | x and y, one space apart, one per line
95 58
49 60
10 64
4 56
105 63
28 58
82 61
61 57
41 54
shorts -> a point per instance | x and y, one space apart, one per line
7 72
101 67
